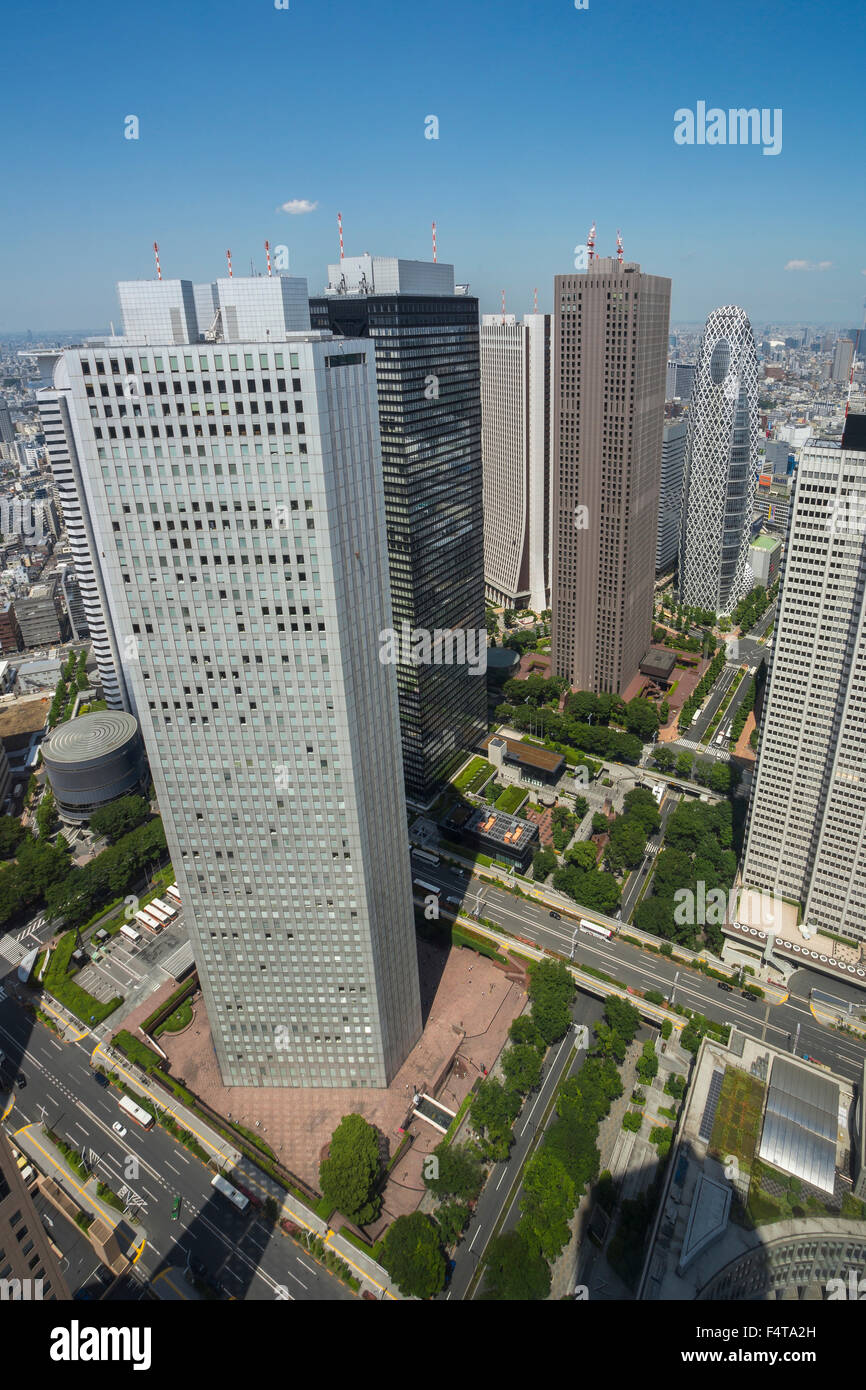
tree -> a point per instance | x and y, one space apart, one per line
609 1042
622 1017
684 765
349 1174
460 1172
648 1062
664 758
626 844
547 1203
412 1255
494 1110
641 718
543 863
12 832
632 1120
600 823
523 1030
452 1218
513 1271
521 1066
583 855
119 817
551 989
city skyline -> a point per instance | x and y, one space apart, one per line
493 179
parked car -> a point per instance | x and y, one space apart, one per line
723 984
175 1210
557 915
21 1081
119 1129
100 1079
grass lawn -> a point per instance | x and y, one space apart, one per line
178 1020
472 776
510 799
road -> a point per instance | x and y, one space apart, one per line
640 969
251 1259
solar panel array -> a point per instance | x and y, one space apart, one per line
708 1118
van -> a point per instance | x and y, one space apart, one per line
452 899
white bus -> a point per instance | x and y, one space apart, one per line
158 912
163 906
426 856
135 1112
236 1198
421 887
130 933
173 892
595 930
149 923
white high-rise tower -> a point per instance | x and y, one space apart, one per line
234 494
721 466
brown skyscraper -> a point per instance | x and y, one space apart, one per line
25 1254
610 350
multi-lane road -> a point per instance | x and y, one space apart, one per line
778 1023
243 1253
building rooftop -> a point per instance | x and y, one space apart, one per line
509 831
766 542
528 754
89 736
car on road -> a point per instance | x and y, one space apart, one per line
723 984
100 1079
21 1081
557 915
449 1270
119 1129
175 1209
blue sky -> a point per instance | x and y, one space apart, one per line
549 117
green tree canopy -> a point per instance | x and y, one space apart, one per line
547 1203
461 1172
521 1066
349 1174
513 1272
119 817
412 1255
551 990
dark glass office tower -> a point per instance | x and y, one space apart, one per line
428 376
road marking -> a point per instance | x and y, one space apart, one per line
314 1272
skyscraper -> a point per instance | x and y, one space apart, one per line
515 446
671 496
843 355
240 528
610 338
807 820
25 1251
721 466
425 336
680 381
7 429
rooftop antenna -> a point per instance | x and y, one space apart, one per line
434 243
268 254
503 308
535 300
590 243
229 259
340 225
156 258
619 245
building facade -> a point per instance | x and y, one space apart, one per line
680 381
671 494
610 332
242 538
721 466
425 337
29 1269
515 447
807 820
843 355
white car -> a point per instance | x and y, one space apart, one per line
119 1129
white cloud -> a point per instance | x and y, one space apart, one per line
297 206
810 265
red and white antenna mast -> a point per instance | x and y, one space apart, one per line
535 301
268 254
434 243
503 307
340 226
229 259
590 243
156 258
619 245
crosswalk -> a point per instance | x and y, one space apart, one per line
650 848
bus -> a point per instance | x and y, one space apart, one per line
236 1198
595 930
163 906
149 923
130 933
426 856
173 892
421 887
140 1117
159 913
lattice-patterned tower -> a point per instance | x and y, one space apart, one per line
721 465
